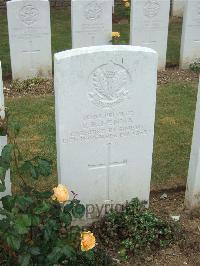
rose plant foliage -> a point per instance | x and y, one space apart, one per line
36 226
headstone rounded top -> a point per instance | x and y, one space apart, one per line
102 48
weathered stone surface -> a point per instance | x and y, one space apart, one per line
192 197
190 41
149 26
91 22
105 107
29 38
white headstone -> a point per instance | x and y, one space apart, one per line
178 8
91 22
192 197
3 139
105 106
190 41
29 38
113 6
149 26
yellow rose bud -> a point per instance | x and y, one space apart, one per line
115 34
88 241
61 193
127 4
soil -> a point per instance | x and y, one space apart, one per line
46 86
187 250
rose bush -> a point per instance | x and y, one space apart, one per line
36 227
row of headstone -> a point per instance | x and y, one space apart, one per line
3 139
30 32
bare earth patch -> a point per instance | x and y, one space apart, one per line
46 86
185 251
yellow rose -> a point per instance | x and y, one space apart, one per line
87 241
61 193
125 0
115 34
127 4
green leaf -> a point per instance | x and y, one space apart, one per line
13 242
44 167
35 220
68 251
44 207
2 186
24 259
7 153
74 233
23 202
4 225
68 207
66 218
35 251
8 202
55 255
22 223
2 172
29 168
78 211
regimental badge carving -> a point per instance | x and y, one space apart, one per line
151 8
108 85
93 11
29 14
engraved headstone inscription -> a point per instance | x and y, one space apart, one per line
149 26
190 41
3 139
29 38
105 105
91 22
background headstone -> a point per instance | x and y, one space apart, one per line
178 8
149 26
192 197
29 38
105 106
3 139
91 22
113 6
190 41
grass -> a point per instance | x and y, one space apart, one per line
61 37
173 131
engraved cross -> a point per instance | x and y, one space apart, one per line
109 164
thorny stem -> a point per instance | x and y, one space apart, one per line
15 158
